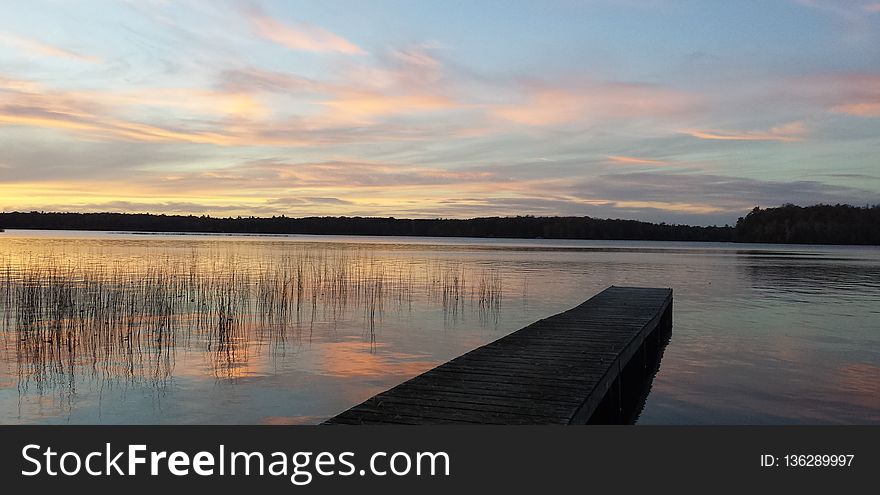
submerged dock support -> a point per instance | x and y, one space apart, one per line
591 364
633 384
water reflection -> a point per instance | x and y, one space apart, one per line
122 328
823 277
70 318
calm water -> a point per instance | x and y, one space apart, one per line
133 328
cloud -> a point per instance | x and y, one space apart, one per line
546 105
418 56
32 160
350 175
631 160
94 126
253 79
409 81
406 131
851 93
226 118
178 207
94 114
853 16
360 106
859 109
792 131
715 192
408 97
363 95
41 48
271 187
301 37
193 101
848 10
248 106
306 200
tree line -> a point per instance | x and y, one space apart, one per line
826 224
819 224
500 227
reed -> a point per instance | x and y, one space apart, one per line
125 320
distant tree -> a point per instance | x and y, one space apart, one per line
818 224
500 227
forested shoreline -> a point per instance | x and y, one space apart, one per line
819 224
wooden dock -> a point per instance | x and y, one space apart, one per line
585 365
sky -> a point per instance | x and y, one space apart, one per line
659 110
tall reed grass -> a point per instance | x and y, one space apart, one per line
114 320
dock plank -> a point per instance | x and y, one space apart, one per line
554 371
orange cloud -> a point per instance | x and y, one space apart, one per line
46 49
303 37
104 128
247 108
414 85
631 160
238 118
856 94
201 101
871 109
792 131
697 208
363 105
552 106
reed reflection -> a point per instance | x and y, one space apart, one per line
69 320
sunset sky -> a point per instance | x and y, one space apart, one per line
661 110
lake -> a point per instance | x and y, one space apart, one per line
151 328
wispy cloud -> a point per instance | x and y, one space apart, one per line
548 105
850 93
790 132
30 104
40 48
850 10
360 105
853 16
711 192
631 160
304 200
300 36
866 109
200 107
215 117
364 188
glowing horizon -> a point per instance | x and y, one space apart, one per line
659 110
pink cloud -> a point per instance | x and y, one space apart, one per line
852 16
40 48
859 109
358 106
545 105
302 37
792 131
856 94
631 160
